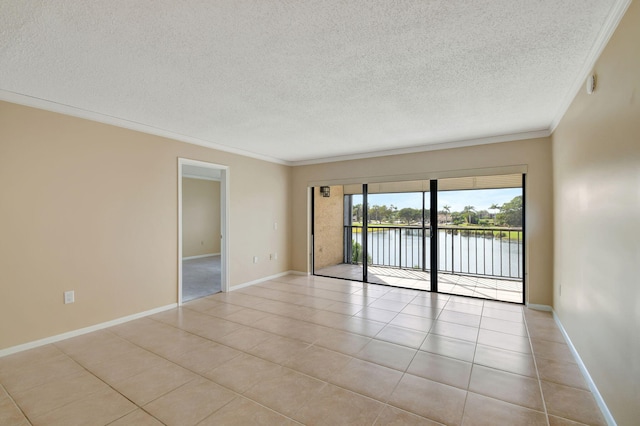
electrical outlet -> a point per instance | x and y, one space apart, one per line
275 256
255 259
275 226
69 297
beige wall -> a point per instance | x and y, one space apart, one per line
503 157
329 228
93 208
200 217
596 151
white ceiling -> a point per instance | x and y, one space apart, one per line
302 81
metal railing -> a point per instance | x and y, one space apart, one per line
492 252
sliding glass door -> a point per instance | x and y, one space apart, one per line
385 233
481 237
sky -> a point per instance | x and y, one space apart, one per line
481 199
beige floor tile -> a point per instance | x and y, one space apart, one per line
503 326
402 336
392 416
201 304
242 372
509 387
571 403
126 365
285 393
447 346
342 341
245 338
376 314
368 379
460 317
455 331
343 308
146 329
431 299
564 373
99 408
468 300
329 319
137 418
431 312
305 332
222 310
389 305
500 359
17 361
333 405
506 341
559 421
213 328
413 322
537 314
10 414
93 348
465 308
503 315
552 350
153 383
42 399
484 411
318 362
504 306
278 349
387 354
441 369
28 376
363 326
205 357
429 399
171 343
548 332
190 403
242 411
246 316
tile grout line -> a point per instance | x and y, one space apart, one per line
535 363
16 404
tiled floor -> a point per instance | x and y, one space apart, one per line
307 350
483 287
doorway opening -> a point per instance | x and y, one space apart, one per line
203 193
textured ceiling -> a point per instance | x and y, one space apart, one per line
302 80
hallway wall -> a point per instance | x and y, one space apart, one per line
596 167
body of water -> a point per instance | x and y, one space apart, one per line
470 251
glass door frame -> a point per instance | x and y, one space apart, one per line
433 231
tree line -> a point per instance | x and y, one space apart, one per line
508 214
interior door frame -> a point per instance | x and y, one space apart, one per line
224 218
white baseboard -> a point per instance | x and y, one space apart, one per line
260 280
583 368
200 256
81 331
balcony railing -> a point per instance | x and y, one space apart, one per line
492 252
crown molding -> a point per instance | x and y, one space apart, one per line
533 134
618 10
46 105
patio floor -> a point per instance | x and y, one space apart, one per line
475 286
